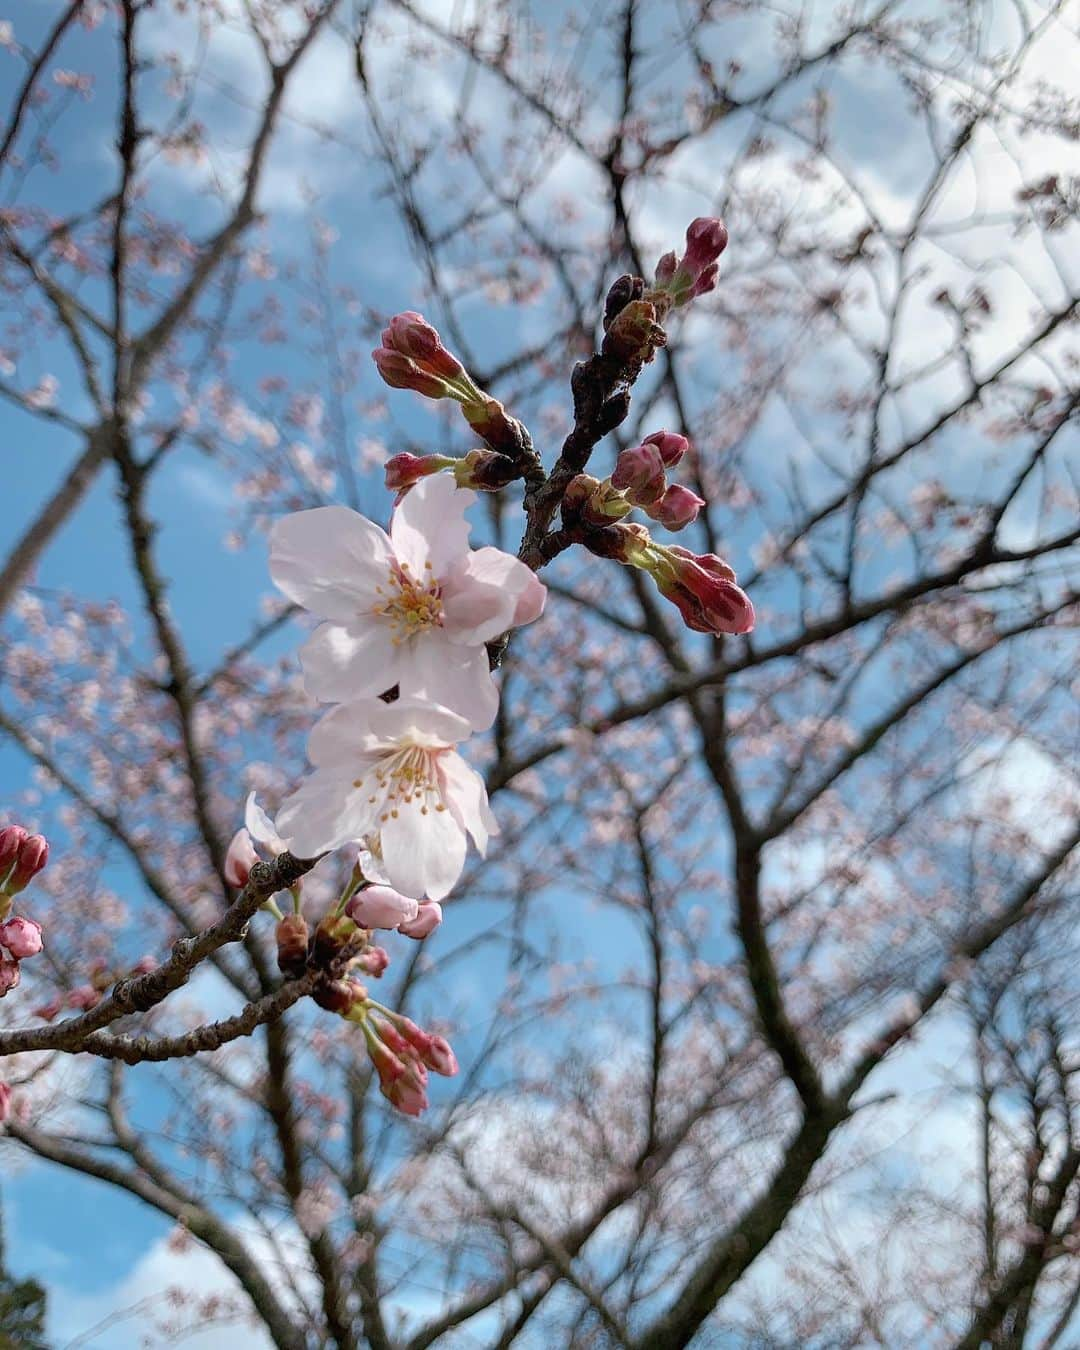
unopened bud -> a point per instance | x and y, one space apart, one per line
373 961
677 508
671 445
404 471
696 272
22 856
639 472
702 587
380 907
291 935
22 937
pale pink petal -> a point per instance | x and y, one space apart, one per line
347 734
240 858
330 560
381 907
458 678
259 825
424 855
416 718
531 598
344 662
430 525
488 592
466 796
428 917
323 814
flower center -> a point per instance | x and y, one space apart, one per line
406 778
410 605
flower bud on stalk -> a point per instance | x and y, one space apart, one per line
639 472
404 471
373 962
670 444
702 587
22 937
677 508
292 944
240 858
412 356
22 857
381 907
696 272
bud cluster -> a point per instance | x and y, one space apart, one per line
695 273
401 1054
22 857
412 356
700 585
638 479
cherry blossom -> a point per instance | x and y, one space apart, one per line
390 769
413 609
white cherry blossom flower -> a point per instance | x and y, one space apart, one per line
412 609
390 770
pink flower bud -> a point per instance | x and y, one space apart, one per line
374 961
12 838
428 917
702 586
639 472
671 445
677 508
22 937
434 1051
5 1102
10 974
84 998
410 334
413 357
440 1057
400 372
706 239
406 1094
696 272
381 907
404 471
240 858
22 856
